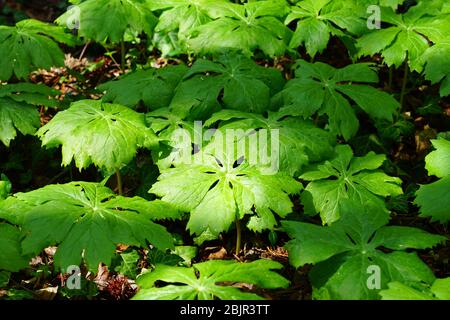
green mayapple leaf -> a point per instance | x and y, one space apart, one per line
16 116
408 35
234 80
173 131
433 198
153 87
252 26
438 161
30 45
88 220
11 258
437 65
17 110
221 185
346 177
318 20
128 264
5 187
107 135
439 290
30 93
346 254
109 20
203 280
320 88
299 141
183 16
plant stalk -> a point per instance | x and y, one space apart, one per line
238 236
122 55
405 81
119 182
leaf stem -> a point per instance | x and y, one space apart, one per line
238 236
84 50
405 81
119 182
391 77
122 55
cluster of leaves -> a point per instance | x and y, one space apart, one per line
30 45
85 219
317 21
348 179
116 18
321 89
343 253
215 184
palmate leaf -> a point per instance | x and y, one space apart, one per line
248 27
30 45
17 110
347 178
107 135
317 21
320 88
433 199
437 65
342 253
181 17
109 20
17 116
86 220
439 290
219 186
203 280
128 264
11 258
299 141
30 93
153 87
171 129
408 36
236 81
